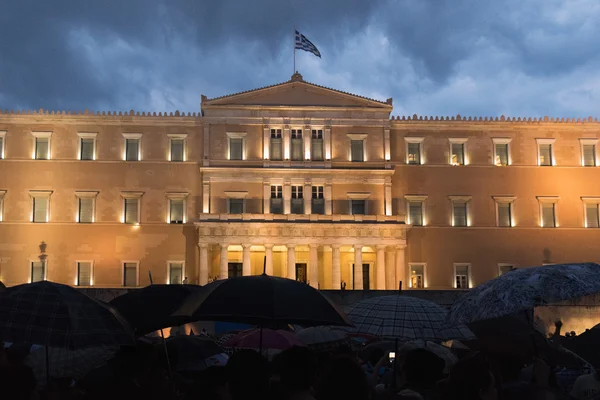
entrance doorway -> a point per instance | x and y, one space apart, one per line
235 269
301 272
366 269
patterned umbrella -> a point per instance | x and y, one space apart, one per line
321 338
523 289
55 315
404 318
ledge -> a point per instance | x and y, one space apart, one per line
300 218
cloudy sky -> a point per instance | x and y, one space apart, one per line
434 57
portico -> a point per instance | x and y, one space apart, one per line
325 250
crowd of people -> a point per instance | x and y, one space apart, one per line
300 373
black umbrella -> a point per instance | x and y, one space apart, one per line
191 353
260 300
150 308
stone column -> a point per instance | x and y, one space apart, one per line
246 266
203 270
336 273
327 142
390 266
307 137
380 268
266 141
224 265
291 261
401 267
313 267
269 259
358 271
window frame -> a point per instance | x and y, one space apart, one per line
236 195
587 201
455 266
463 142
510 200
358 137
424 275
416 199
42 135
183 138
313 141
2 194
182 196
418 140
132 136
276 132
296 190
364 196
544 141
40 193
2 144
467 201
548 200
45 266
502 141
589 142
183 271
87 136
313 198
236 135
132 196
77 262
137 272
500 265
86 195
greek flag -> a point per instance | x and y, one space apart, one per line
302 43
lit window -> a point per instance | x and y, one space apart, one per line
87 146
548 212
501 151
40 205
276 199
588 152
176 273
297 145
545 152
133 146
131 207
357 149
236 145
177 145
460 210
297 200
130 273
417 276
592 214
316 145
457 151
504 211
84 273
317 200
414 147
176 211
461 276
42 145
276 145
415 209
86 210
37 271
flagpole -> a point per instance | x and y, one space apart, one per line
294 71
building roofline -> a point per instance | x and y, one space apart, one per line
522 120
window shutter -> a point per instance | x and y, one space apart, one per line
504 216
176 149
316 149
130 274
589 155
86 210
37 271
176 273
41 148
87 149
414 153
501 154
276 149
235 148
131 211
458 154
176 211
356 147
84 273
545 154
236 206
548 220
132 149
591 216
415 209
358 207
460 214
40 209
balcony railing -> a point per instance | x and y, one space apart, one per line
342 218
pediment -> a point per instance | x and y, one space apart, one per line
297 93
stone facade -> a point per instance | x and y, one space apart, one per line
297 180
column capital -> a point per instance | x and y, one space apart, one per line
400 246
203 245
336 246
223 245
290 246
246 245
381 247
358 246
268 246
313 246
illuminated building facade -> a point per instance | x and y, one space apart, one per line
323 185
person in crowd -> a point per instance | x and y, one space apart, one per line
342 379
587 387
247 375
17 382
298 368
420 372
210 385
471 379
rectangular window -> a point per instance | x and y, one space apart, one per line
276 150
132 211
504 268
176 211
84 273
235 269
458 153
130 274
357 150
132 149
548 215
86 210
358 207
504 214
276 199
591 216
2 145
38 271
414 153
417 276
316 145
236 148
501 150
545 154
459 213
415 212
40 208
297 150
176 273
317 200
297 200
461 276
589 155
177 149
236 206
42 148
86 148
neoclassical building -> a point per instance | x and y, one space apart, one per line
300 180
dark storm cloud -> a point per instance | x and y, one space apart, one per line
472 57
